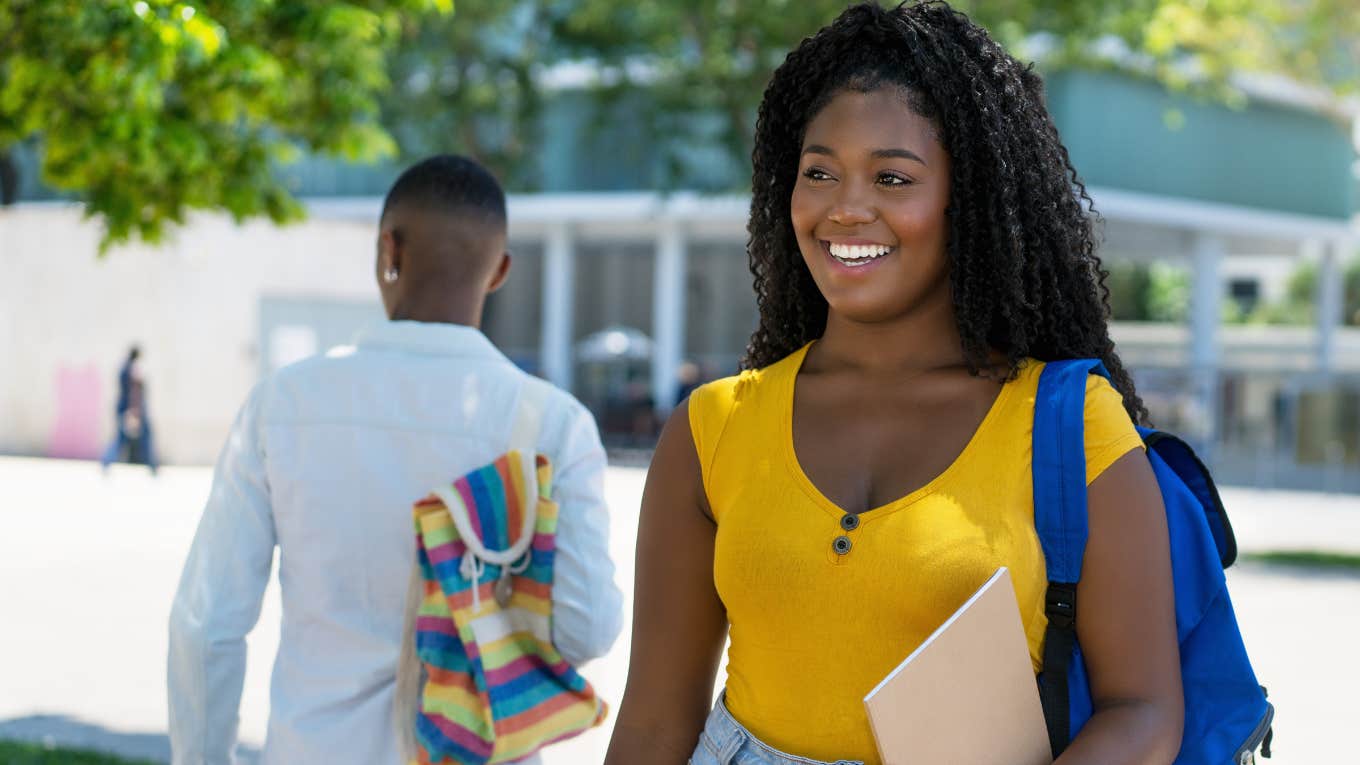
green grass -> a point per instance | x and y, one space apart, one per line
20 753
1307 559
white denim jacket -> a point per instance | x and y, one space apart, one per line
324 461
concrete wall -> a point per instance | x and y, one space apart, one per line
220 304
67 318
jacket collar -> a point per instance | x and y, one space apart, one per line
429 338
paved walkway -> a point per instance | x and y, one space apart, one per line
88 565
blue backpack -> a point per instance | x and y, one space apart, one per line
1226 713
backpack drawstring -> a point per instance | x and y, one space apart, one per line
472 568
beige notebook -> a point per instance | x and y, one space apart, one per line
967 696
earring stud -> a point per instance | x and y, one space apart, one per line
390 275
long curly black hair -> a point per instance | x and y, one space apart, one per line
1024 274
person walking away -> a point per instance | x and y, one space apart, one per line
324 463
132 441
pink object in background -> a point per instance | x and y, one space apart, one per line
76 434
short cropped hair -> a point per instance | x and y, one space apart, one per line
449 183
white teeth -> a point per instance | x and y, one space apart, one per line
858 254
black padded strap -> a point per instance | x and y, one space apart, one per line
1059 640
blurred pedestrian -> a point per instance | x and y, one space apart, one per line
132 439
326 460
687 378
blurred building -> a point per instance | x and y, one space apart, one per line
1238 196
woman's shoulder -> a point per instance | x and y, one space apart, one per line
712 403
723 394
1110 432
1103 401
752 397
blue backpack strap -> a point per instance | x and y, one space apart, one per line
1059 463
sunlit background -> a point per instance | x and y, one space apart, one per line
204 180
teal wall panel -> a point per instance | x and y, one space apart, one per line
1127 133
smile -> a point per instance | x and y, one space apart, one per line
857 255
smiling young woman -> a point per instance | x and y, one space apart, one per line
920 249
868 207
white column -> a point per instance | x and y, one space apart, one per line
1205 307
559 277
668 314
1329 301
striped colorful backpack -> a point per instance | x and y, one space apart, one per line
479 679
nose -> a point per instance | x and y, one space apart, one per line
852 207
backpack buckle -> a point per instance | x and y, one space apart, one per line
1060 604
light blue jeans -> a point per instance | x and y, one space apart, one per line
725 742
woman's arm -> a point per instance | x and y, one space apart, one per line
679 624
1126 624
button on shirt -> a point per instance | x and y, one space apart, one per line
325 460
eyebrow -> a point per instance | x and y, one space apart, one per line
817 148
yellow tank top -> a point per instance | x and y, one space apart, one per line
813 631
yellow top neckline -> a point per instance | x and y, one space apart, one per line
800 477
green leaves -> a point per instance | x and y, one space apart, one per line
147 109
713 57
469 82
1148 291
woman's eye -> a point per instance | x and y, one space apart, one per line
888 179
815 174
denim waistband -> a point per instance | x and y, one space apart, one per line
726 742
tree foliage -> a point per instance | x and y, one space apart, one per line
470 82
715 56
1141 291
1128 282
146 110
1298 304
